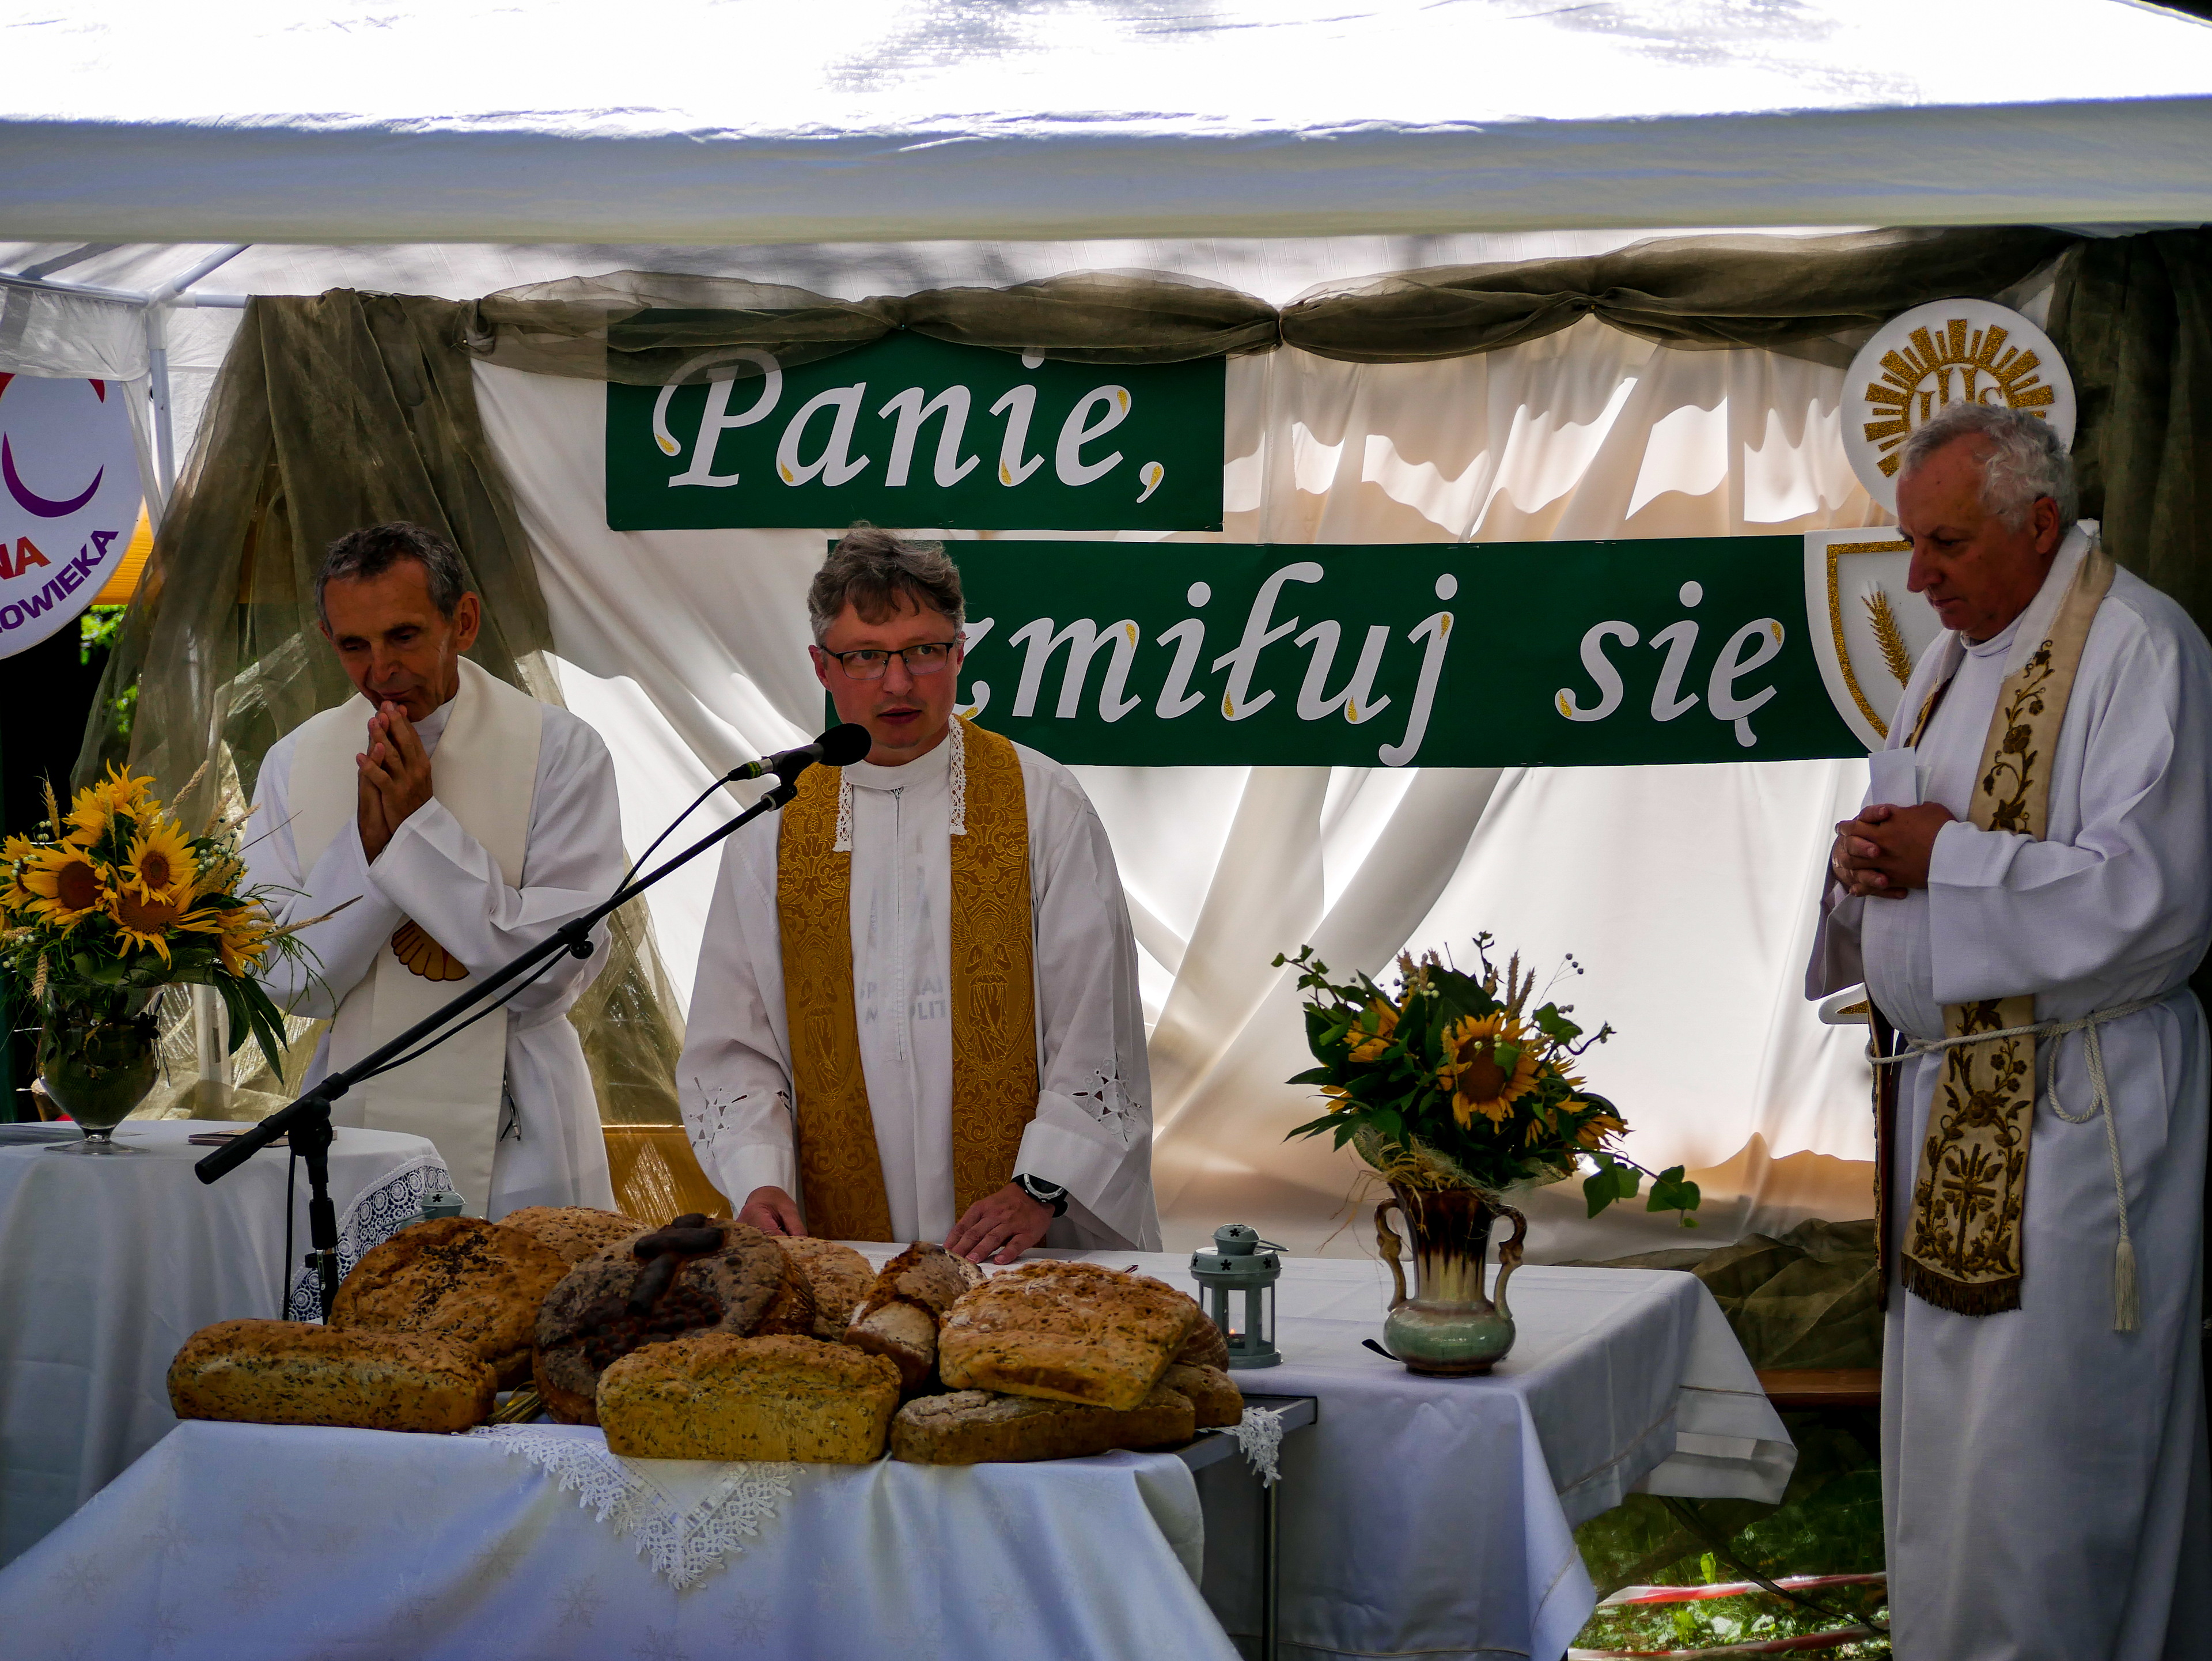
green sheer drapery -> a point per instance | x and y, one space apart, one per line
333 413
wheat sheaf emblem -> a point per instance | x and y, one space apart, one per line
1896 656
412 944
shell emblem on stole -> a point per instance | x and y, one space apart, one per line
412 944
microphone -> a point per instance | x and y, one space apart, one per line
840 747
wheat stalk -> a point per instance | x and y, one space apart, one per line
1889 635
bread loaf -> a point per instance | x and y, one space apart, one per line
732 1280
975 1426
713 1397
840 1276
576 1232
898 1319
455 1277
1213 1394
1205 1347
1067 1332
291 1373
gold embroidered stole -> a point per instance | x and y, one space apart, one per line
994 1060
1962 1251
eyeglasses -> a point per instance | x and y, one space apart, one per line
870 662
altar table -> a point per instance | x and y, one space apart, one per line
1418 1516
110 1263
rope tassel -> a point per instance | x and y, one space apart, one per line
2126 1312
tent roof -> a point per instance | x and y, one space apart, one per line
754 121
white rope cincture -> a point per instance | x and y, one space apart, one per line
2126 1297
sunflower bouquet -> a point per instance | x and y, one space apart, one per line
1454 1081
115 901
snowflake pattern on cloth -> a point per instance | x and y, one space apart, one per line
368 1222
686 1540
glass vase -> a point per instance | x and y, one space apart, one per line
1447 1326
98 1070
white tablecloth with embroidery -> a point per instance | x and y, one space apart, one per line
108 1265
253 1543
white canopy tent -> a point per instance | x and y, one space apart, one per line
956 147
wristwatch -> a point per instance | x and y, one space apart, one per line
1044 1193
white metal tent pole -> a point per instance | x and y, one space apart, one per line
210 1017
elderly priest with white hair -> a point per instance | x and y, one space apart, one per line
2023 896
444 821
916 1014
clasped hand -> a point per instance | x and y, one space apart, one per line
1884 853
395 778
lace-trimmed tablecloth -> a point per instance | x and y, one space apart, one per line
373 1218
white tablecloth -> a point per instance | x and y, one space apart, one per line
252 1542
108 1265
1435 1516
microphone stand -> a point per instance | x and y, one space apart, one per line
307 1120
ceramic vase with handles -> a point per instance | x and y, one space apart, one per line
1448 1327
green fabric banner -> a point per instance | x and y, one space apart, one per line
909 430
1452 655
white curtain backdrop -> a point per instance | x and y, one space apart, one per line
1687 892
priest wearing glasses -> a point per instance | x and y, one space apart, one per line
916 1015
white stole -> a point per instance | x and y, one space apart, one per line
485 772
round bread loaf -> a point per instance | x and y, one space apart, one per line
628 1296
455 1277
576 1232
840 1276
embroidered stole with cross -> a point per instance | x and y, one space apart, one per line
994 1058
1962 1246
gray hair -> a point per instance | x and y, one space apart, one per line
872 570
375 549
2026 460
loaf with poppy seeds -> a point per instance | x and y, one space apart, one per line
455 1277
1067 1332
294 1372
979 1427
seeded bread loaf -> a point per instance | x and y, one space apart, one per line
1067 1332
899 1317
840 1278
1205 1347
976 1427
455 1277
576 1232
722 1277
292 1373
713 1397
1213 1394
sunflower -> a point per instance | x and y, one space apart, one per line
66 884
1481 1079
160 869
14 896
121 794
1601 1126
1374 1037
144 920
244 936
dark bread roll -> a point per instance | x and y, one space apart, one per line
899 1317
692 1277
975 1426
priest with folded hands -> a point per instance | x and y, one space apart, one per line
439 823
916 1014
